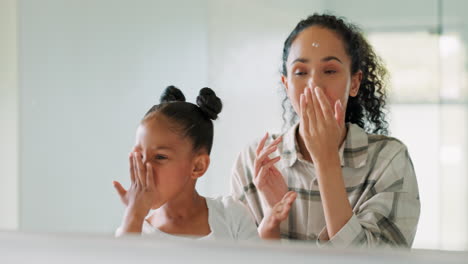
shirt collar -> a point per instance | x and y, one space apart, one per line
353 152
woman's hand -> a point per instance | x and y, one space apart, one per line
323 133
141 195
269 228
321 129
268 179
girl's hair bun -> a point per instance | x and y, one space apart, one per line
209 103
172 94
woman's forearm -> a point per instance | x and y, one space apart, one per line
336 206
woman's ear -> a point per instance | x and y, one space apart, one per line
284 80
200 165
355 83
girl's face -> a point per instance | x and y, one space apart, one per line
317 57
170 155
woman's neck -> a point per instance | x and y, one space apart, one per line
302 147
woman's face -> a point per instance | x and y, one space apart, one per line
317 58
170 156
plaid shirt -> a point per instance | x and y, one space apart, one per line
380 182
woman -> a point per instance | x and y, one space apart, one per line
355 185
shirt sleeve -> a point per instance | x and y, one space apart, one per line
242 187
243 223
236 182
389 213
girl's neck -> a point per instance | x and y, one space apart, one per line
183 207
188 216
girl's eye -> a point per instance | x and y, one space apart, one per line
161 157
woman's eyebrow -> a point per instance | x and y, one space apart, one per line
325 59
329 58
303 60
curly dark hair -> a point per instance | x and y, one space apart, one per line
367 108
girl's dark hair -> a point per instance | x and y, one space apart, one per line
192 121
367 108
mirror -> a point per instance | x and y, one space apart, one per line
81 74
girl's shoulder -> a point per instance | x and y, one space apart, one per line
227 206
233 216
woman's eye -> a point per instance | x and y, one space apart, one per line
161 157
330 72
300 73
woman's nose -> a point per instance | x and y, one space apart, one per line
311 82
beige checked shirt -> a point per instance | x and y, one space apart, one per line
379 179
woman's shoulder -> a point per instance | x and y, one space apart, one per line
385 146
375 144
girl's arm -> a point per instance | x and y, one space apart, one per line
140 196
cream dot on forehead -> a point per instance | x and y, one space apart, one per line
315 44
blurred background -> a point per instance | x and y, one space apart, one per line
76 76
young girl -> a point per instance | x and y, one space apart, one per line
356 186
173 145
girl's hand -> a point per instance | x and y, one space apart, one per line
322 130
269 227
141 195
268 179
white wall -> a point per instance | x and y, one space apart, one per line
8 116
244 50
89 71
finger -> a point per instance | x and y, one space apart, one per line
132 168
119 188
149 176
339 113
304 116
317 108
325 106
271 162
141 169
261 144
310 108
289 197
264 155
275 142
261 159
284 213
